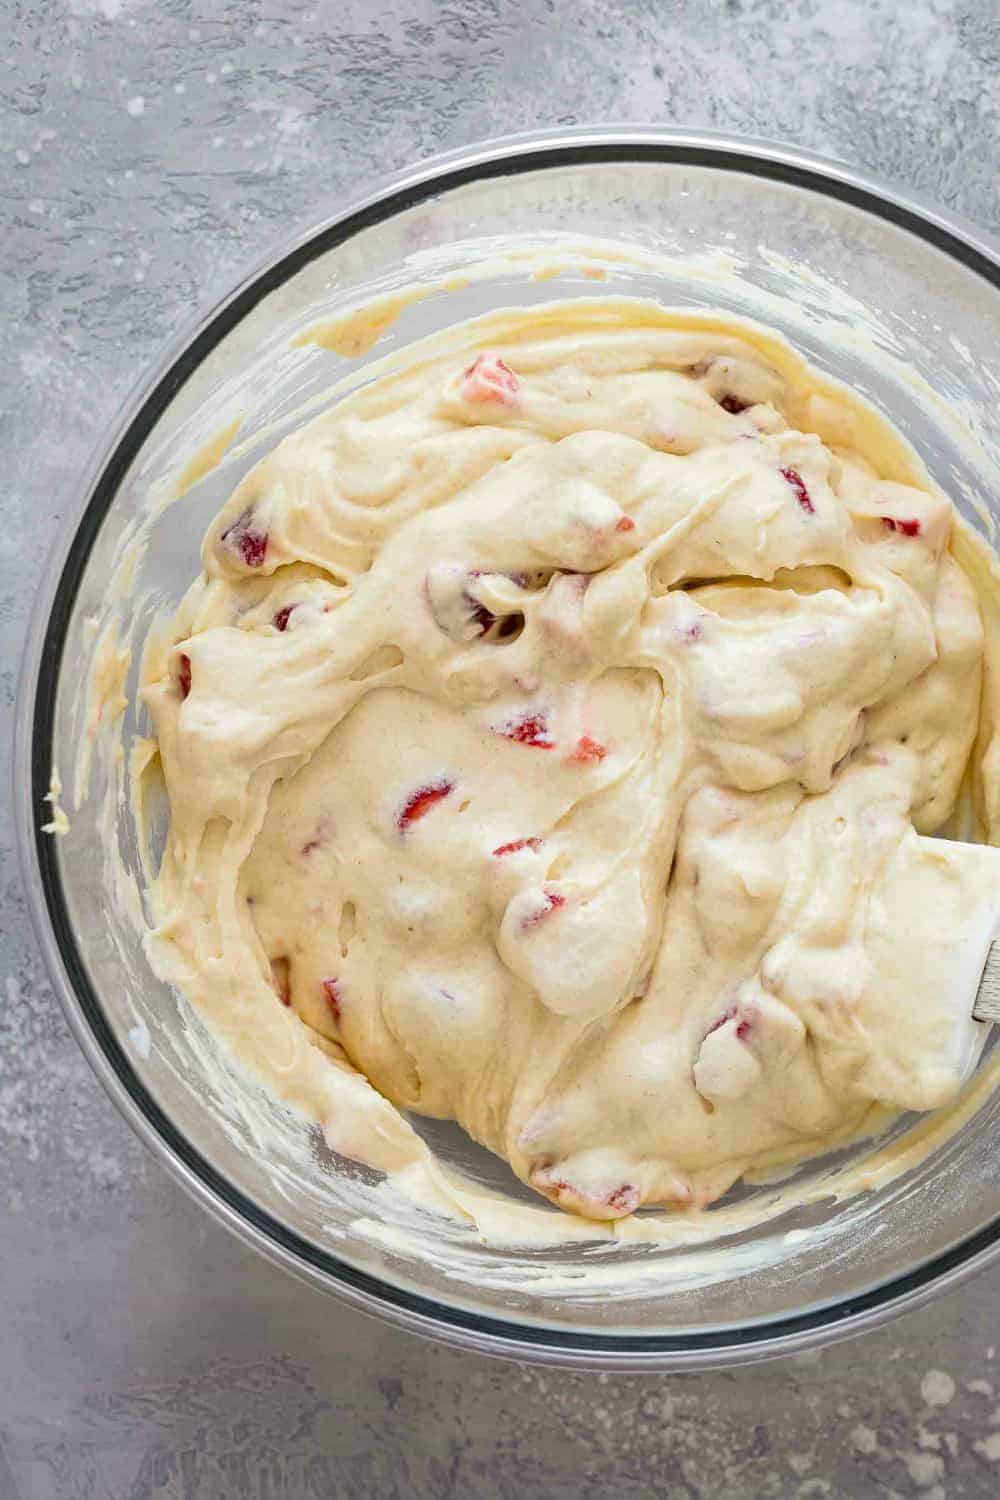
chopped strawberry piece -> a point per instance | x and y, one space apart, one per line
281 978
448 589
730 1014
727 1015
688 633
515 847
907 528
551 901
421 801
280 621
794 478
184 674
242 538
621 1200
488 378
587 751
732 404
331 988
319 838
624 1199
253 546
530 729
483 617
625 524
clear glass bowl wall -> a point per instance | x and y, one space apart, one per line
883 301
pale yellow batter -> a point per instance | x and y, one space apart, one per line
550 740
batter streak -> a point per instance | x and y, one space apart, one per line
549 743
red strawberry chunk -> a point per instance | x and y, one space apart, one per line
730 1014
281 978
488 378
621 1200
420 802
625 524
280 621
241 537
551 901
331 988
184 674
319 838
727 1015
794 478
483 617
689 633
624 1199
451 598
907 528
515 847
530 728
587 751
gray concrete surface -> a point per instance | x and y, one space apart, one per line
149 149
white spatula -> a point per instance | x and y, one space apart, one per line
981 865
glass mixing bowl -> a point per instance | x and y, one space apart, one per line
896 298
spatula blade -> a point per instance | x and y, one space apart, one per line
987 1006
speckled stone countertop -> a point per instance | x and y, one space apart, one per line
149 151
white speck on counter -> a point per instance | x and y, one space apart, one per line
864 1439
989 1447
937 1388
136 105
925 1468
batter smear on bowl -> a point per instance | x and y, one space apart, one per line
552 744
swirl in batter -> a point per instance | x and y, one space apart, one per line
550 743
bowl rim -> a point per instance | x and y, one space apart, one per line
34 720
